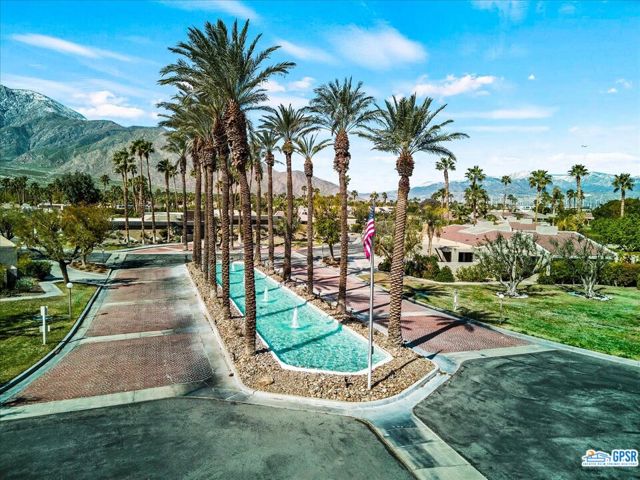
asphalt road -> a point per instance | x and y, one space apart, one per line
194 438
534 416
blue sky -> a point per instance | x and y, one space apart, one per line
530 81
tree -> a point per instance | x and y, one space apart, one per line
622 183
557 202
511 260
432 218
476 193
177 144
79 188
539 179
384 198
579 172
506 181
104 180
571 196
327 225
342 108
513 201
137 148
288 124
476 198
268 140
123 163
85 227
405 128
165 167
586 259
308 147
10 219
256 163
446 165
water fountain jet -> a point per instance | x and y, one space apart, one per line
294 320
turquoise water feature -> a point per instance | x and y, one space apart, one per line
299 334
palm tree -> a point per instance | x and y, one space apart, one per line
622 183
147 149
123 163
571 195
433 219
539 179
308 147
384 198
342 108
288 124
177 144
227 65
256 163
173 173
164 166
446 165
405 128
556 201
373 196
579 172
104 180
506 181
354 195
268 141
475 175
137 149
513 201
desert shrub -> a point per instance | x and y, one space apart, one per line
472 273
560 272
445 275
28 267
422 266
621 274
25 284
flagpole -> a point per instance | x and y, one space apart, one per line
370 352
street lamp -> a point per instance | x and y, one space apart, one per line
69 287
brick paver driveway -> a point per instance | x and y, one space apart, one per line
144 331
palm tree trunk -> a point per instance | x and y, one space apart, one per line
397 264
535 213
233 211
446 190
258 254
309 228
166 180
504 202
126 207
341 164
175 194
183 174
622 203
197 217
207 205
153 206
270 207
224 226
141 203
579 185
288 234
211 228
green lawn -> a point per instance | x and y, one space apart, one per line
20 337
611 327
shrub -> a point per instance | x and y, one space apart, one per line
385 265
544 279
25 284
28 267
621 274
3 277
638 282
422 266
445 275
472 273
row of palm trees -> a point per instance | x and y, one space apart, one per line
220 76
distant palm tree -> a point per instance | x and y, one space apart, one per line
308 147
579 172
123 163
571 196
622 183
177 144
164 166
138 148
432 218
384 198
374 197
475 175
354 195
557 199
506 181
446 165
268 140
539 179
256 165
288 124
104 180
513 201
342 108
405 128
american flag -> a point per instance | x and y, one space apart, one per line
369 232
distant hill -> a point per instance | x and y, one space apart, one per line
41 135
597 187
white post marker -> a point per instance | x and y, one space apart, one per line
43 313
69 287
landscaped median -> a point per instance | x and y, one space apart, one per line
549 312
20 337
263 372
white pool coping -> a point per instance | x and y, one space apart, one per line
354 334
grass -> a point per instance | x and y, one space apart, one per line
611 327
20 336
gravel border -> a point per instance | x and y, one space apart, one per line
262 371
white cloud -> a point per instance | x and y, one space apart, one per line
69 48
294 100
523 113
625 83
272 86
531 77
612 90
104 104
305 52
453 85
303 84
508 128
379 48
567 9
512 10
232 7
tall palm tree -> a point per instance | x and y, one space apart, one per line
256 164
405 127
475 175
123 163
226 64
384 198
354 195
571 196
137 148
622 183
268 140
432 217
578 172
177 144
164 166
288 124
446 165
342 108
104 180
539 179
506 181
173 173
308 147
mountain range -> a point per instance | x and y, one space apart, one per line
40 135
